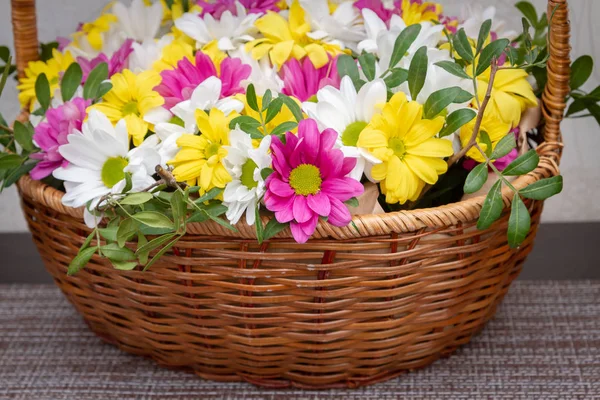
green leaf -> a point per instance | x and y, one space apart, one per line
504 146
124 265
162 251
285 127
272 229
491 51
463 96
453 68
292 106
46 50
128 182
265 172
87 241
42 91
127 229
581 70
463 46
485 139
266 100
457 120
251 98
492 207
109 233
179 208
154 219
528 10
397 77
403 43
417 72
94 79
519 222
154 243
23 136
112 251
353 202
476 178
543 189
104 88
273 110
347 66
70 81
4 54
484 33
5 74
142 256
211 194
367 63
9 161
439 100
259 225
136 199
81 260
14 175
523 165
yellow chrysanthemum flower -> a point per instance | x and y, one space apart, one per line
92 31
494 127
176 10
132 97
285 39
172 53
411 155
511 94
200 158
52 68
414 13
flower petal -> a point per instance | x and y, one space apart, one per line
319 203
301 211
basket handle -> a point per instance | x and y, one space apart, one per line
559 72
25 33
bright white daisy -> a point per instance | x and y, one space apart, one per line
145 54
348 113
230 30
98 159
343 27
264 76
245 163
139 21
474 15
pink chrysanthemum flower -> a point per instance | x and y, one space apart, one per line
50 135
117 62
303 80
377 7
216 9
178 84
309 180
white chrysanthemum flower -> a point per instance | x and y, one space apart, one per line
264 76
98 159
245 163
474 15
343 27
168 134
380 40
112 40
230 30
348 113
139 21
145 54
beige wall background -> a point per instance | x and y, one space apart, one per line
581 161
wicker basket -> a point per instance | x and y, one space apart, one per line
351 307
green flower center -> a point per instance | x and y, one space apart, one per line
397 146
212 150
247 177
177 121
131 108
352 132
306 179
112 171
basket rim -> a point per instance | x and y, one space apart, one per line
364 225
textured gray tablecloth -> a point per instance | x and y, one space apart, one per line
544 343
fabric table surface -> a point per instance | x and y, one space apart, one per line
544 343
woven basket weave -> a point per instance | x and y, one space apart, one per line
351 307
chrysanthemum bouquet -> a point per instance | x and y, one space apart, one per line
159 115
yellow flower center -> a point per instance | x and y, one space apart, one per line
397 146
112 171
306 179
247 177
131 108
212 150
352 132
